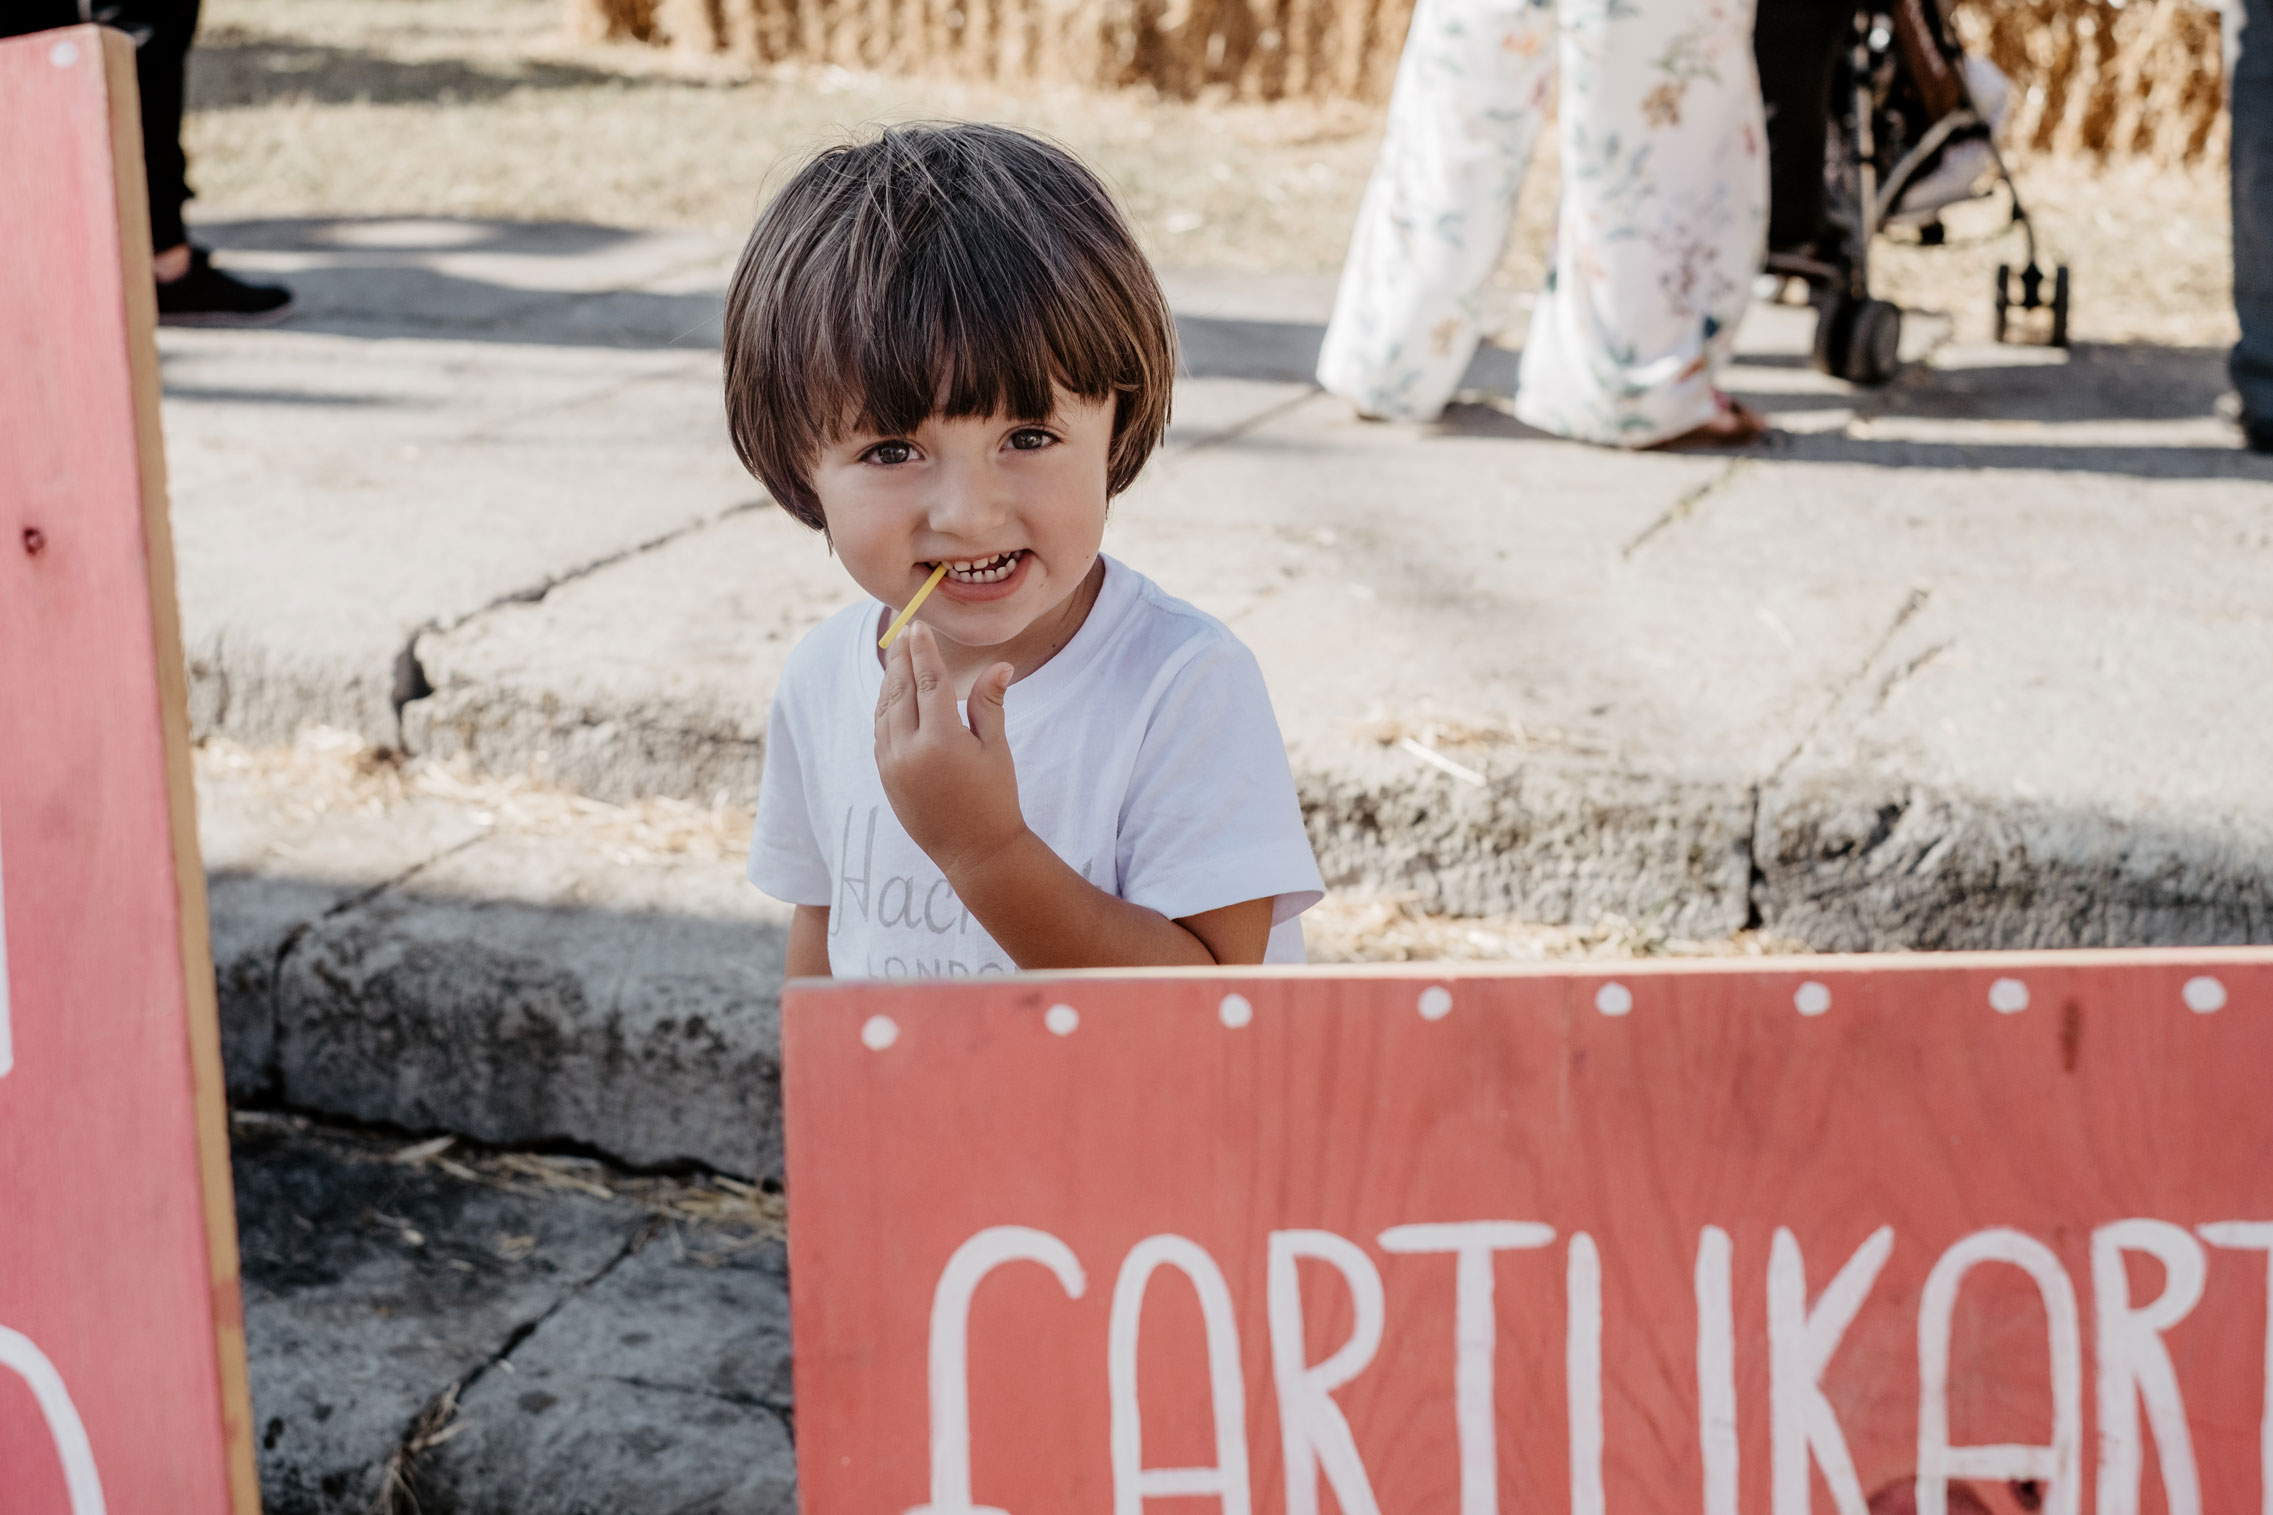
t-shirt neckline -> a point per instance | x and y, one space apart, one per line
1045 686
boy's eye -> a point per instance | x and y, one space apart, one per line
888 453
1031 439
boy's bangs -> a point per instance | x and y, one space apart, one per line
959 342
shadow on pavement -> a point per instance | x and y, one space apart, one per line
231 70
545 283
1217 347
2054 454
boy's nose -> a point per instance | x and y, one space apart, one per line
966 504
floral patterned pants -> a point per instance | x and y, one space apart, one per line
1662 225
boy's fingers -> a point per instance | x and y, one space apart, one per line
934 691
896 706
986 703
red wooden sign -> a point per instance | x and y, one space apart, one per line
1951 1233
122 1367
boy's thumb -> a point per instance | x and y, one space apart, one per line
985 704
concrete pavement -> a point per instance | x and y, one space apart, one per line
476 499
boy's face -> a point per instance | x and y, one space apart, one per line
1016 508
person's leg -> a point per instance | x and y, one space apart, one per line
2250 94
1796 45
162 31
190 288
1471 91
1665 203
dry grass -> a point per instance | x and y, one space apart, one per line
332 772
483 108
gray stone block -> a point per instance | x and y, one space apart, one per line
1542 840
275 867
663 1387
371 1287
534 989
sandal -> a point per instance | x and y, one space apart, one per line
1734 424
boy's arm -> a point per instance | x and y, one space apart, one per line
956 794
809 942
1046 915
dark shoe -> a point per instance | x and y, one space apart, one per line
205 296
2257 435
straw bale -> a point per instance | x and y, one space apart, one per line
2106 78
2098 78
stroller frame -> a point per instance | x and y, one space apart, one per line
1858 338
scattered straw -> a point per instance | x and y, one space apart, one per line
1351 926
331 772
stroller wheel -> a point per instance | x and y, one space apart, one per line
1834 322
1874 343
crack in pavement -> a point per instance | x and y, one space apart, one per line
1912 603
409 682
437 1421
1680 510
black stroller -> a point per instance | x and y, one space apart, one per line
1874 122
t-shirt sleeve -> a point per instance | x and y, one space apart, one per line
1211 817
786 860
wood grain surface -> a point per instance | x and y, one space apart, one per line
1744 1212
122 1363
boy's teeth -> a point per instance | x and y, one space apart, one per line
983 570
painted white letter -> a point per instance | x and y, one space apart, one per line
1133 1483
2134 1364
1475 1331
1582 1372
1311 1427
2255 1236
2059 1466
64 1428
1800 1344
950 1351
1716 1371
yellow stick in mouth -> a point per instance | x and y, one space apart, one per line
900 622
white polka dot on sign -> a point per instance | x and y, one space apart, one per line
1613 999
1813 998
1436 1002
2203 995
1061 1019
879 1032
63 54
2008 996
1235 1011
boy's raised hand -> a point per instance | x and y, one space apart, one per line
951 785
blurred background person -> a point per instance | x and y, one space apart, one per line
2249 95
190 289
1664 208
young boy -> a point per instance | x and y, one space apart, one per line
943 347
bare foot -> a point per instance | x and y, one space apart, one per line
1735 424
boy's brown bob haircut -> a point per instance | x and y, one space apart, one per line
939 269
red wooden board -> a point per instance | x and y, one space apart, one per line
1624 1238
122 1375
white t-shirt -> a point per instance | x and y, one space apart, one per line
1147 758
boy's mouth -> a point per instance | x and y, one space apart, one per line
987 570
